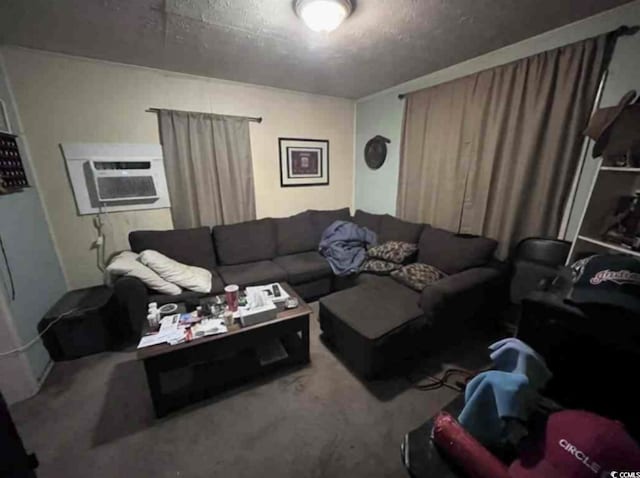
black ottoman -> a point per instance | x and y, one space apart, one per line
374 325
82 322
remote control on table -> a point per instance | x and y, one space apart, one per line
276 290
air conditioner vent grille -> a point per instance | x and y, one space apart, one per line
126 187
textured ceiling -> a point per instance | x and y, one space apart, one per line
383 43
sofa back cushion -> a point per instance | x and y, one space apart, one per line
394 229
323 219
244 242
295 234
188 246
368 220
453 253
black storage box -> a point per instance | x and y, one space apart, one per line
89 324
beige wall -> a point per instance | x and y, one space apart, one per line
68 99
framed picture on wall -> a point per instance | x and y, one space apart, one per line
304 162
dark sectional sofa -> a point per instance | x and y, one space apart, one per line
248 253
372 321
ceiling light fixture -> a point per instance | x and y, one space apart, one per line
323 15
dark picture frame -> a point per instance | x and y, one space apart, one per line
303 162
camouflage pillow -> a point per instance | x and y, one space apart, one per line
378 266
393 251
418 276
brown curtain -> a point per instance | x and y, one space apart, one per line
494 153
209 168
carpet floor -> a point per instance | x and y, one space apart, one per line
93 418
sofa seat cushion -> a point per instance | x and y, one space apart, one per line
245 242
192 247
304 267
453 253
311 291
353 280
252 273
295 234
376 308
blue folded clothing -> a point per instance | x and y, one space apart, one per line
513 355
490 398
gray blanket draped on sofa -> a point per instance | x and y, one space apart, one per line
344 245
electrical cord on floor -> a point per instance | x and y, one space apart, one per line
31 342
436 383
459 386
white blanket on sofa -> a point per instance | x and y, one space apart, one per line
127 264
188 277
159 272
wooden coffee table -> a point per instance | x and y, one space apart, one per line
181 374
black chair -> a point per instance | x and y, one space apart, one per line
535 262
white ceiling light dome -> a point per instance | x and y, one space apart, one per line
323 15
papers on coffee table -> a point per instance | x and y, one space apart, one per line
172 338
260 307
208 327
174 331
170 332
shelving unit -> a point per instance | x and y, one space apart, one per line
620 170
608 245
12 175
609 183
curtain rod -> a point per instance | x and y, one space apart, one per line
248 118
622 31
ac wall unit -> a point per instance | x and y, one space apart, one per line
116 177
115 181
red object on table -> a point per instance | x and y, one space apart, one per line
464 450
232 296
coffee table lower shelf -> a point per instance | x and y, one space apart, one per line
188 374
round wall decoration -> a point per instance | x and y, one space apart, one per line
375 152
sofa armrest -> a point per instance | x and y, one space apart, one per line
464 293
132 296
